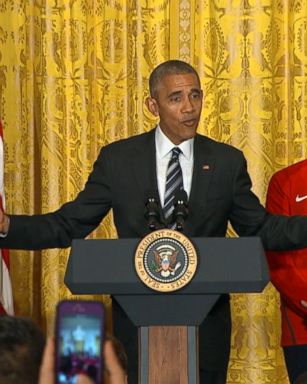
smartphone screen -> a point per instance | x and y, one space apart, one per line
79 341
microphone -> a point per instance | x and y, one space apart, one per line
152 213
181 211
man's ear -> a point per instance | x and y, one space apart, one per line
152 105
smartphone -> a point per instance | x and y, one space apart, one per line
79 338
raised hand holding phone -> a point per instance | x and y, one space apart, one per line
116 374
79 339
90 315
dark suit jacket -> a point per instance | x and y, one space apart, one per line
123 176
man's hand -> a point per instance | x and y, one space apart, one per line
304 303
4 222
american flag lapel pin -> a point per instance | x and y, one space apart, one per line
206 167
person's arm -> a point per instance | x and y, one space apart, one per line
75 219
249 218
46 374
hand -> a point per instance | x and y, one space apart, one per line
46 374
304 303
115 372
4 222
47 370
83 379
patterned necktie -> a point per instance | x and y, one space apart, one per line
174 183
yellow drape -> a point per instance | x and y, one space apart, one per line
73 77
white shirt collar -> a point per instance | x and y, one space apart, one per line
164 145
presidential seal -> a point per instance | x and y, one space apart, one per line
165 260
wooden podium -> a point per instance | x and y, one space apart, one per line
167 321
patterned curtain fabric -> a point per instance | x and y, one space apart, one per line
73 77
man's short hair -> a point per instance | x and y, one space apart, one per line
21 350
170 67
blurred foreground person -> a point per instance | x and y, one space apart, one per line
21 350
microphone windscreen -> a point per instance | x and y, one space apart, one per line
181 195
151 196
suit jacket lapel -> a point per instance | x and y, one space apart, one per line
203 168
145 169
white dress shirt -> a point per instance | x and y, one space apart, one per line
163 154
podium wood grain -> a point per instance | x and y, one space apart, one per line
168 355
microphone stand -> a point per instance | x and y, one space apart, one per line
181 211
152 213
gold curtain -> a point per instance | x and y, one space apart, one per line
73 77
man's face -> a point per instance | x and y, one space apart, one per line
178 103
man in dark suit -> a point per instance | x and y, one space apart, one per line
217 183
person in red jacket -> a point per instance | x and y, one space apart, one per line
287 195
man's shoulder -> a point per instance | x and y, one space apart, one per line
217 146
296 170
131 142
